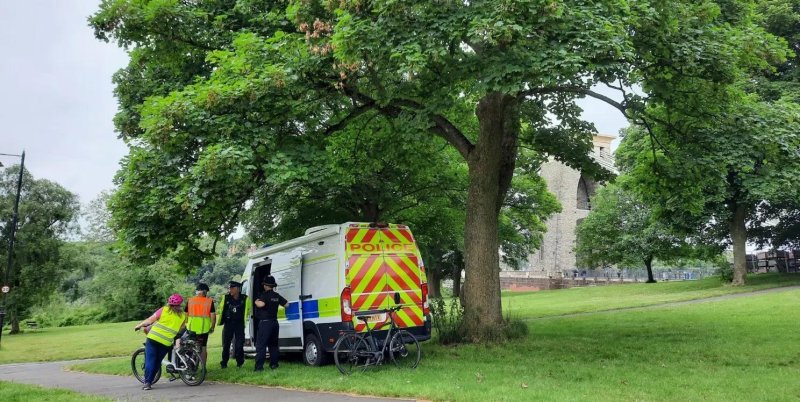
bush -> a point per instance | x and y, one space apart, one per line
60 313
514 328
448 320
725 272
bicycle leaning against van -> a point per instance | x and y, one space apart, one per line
184 361
355 351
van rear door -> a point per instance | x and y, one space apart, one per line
382 261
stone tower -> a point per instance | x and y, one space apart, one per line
556 257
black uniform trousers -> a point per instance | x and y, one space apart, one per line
267 337
233 333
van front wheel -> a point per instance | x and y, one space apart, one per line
313 351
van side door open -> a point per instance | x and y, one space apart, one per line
286 269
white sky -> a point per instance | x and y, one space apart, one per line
57 102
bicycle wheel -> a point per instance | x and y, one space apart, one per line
137 366
195 371
350 353
404 350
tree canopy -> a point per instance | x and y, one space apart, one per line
220 96
713 180
621 229
46 212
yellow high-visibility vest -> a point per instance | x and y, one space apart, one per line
166 328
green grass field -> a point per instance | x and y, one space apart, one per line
599 298
737 349
14 392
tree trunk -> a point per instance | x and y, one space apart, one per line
457 282
434 284
739 237
648 263
491 166
14 323
370 211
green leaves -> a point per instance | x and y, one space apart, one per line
621 229
46 213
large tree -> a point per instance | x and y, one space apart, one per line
621 229
46 212
218 93
713 180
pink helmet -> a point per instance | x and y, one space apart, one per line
175 300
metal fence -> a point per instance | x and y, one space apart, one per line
640 274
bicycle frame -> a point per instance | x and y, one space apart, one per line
175 357
379 354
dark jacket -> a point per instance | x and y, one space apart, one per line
224 314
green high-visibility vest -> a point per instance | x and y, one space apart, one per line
166 328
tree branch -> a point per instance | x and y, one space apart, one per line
355 113
441 125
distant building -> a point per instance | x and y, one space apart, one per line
556 256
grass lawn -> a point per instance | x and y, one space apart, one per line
609 297
51 344
737 349
118 339
15 392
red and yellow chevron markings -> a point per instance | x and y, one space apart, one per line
380 263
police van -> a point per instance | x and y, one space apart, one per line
331 273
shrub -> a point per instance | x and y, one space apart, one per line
448 320
725 272
514 328
60 313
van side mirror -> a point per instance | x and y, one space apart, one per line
396 298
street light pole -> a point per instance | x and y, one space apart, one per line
7 275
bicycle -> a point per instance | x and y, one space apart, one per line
354 351
184 361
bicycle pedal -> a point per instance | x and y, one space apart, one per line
173 379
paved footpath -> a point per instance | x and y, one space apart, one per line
125 388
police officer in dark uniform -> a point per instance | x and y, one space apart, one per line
266 313
235 312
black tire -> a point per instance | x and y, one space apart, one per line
404 350
137 366
313 352
195 372
351 353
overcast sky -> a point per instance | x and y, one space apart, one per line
57 102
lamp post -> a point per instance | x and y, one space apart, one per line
6 285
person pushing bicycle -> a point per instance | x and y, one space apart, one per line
165 324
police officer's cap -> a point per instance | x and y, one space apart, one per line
269 280
234 284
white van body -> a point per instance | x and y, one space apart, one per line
332 272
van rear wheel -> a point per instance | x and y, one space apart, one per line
313 352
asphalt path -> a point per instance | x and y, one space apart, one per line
124 388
